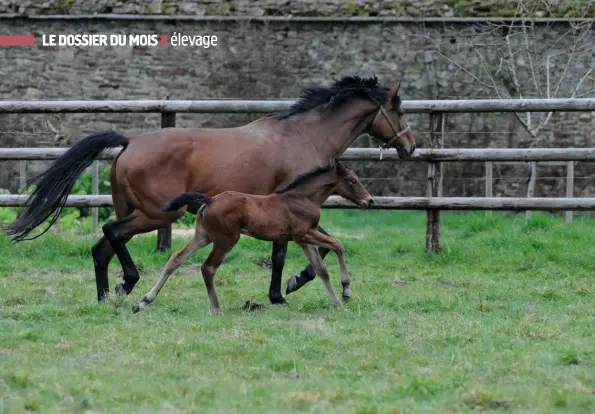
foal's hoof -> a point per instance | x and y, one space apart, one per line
138 307
291 285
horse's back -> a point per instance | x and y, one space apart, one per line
165 163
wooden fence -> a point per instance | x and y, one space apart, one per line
434 155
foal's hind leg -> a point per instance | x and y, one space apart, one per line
221 247
199 240
307 275
321 270
118 233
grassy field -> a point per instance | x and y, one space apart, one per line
502 320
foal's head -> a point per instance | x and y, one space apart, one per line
333 178
349 186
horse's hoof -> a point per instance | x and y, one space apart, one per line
346 298
291 285
120 291
136 308
278 300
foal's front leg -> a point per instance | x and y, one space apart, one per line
321 270
317 238
308 274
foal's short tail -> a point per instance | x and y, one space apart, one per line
180 201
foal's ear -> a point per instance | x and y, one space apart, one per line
341 168
392 93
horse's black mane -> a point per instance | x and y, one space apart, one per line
300 179
338 93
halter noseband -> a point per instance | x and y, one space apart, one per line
388 143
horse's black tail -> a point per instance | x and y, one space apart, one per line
53 185
180 201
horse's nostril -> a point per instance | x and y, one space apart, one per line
371 201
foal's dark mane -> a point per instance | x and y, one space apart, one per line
302 178
338 93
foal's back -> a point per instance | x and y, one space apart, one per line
261 217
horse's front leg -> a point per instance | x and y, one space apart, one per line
278 261
308 274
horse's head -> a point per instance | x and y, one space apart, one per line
390 126
350 187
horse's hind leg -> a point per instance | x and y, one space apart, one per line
102 255
308 274
199 240
118 233
102 251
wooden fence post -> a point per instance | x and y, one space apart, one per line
489 182
23 175
94 190
569 188
168 119
434 187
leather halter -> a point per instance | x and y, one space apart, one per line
388 143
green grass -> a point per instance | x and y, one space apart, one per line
501 321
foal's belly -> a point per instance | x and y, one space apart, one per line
266 236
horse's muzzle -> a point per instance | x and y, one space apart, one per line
406 150
368 204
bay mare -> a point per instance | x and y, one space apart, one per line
289 214
257 158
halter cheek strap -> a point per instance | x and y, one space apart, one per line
396 135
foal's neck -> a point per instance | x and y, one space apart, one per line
317 192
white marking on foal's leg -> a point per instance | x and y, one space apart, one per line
200 239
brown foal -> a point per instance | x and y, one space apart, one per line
289 214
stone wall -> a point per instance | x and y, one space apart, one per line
278 60
409 8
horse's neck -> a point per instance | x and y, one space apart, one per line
331 134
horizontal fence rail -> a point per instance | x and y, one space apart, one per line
369 154
434 156
273 105
384 203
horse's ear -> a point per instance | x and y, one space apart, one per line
341 168
332 162
392 93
